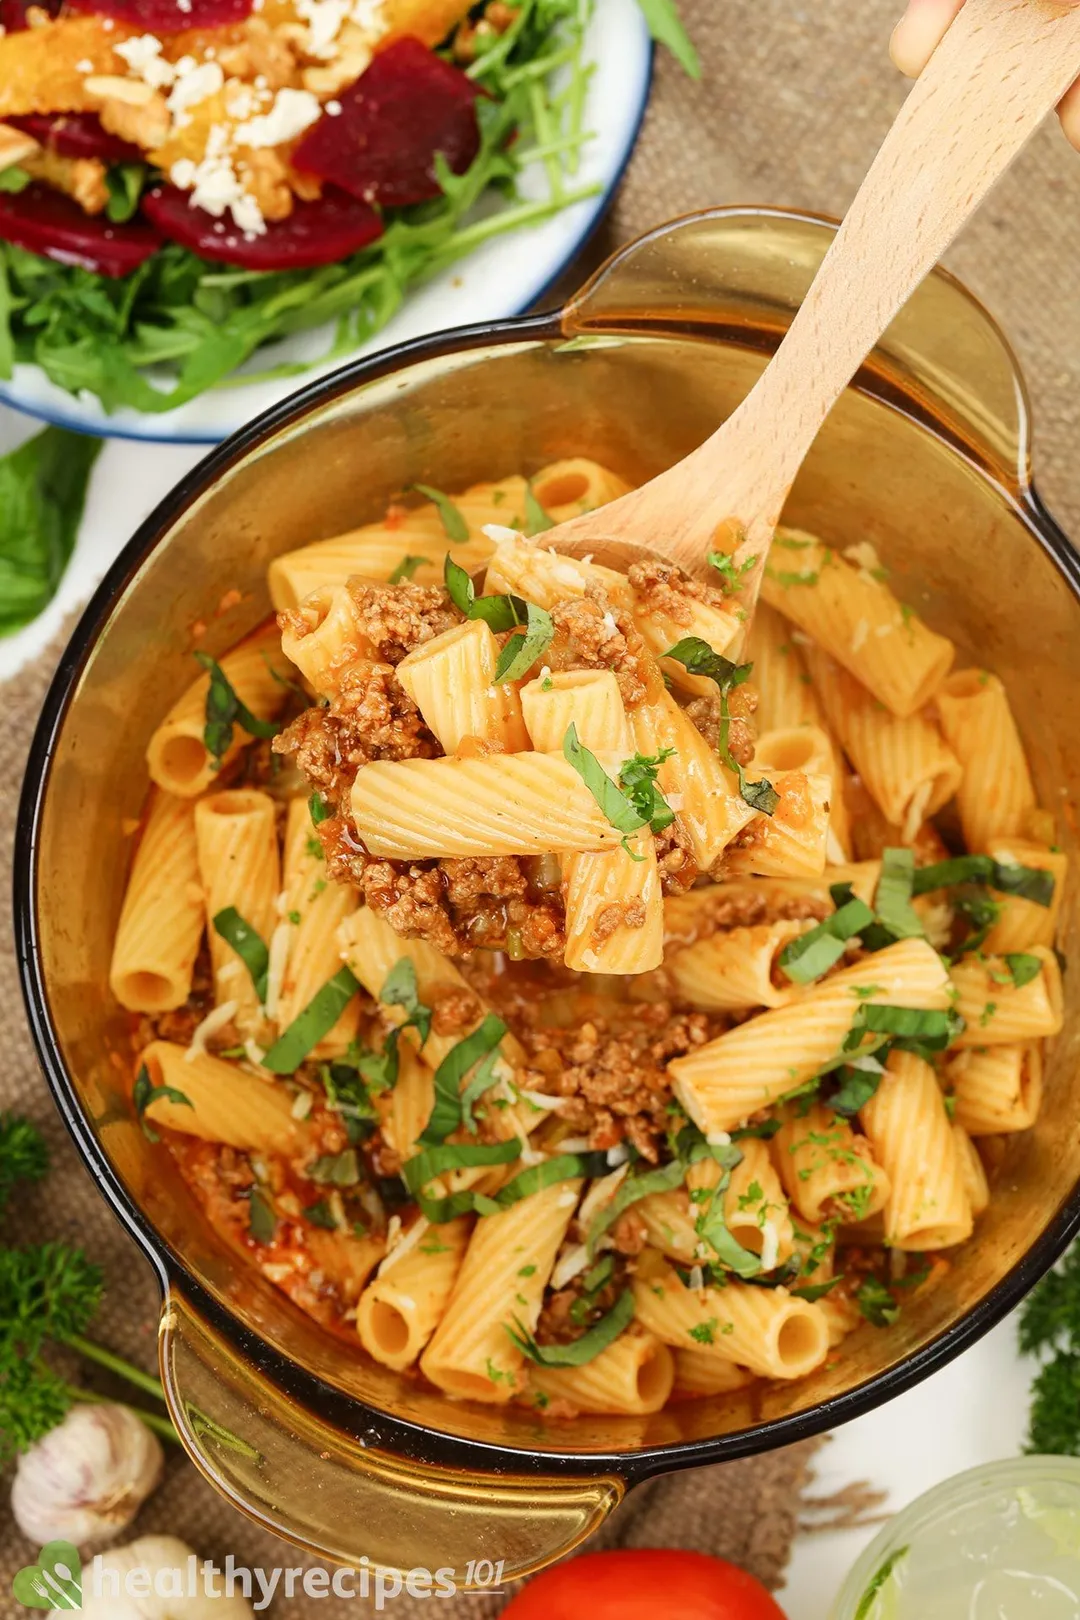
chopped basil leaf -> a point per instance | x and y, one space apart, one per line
810 955
319 810
454 524
481 1082
630 1190
423 1168
347 1093
262 1222
815 1291
892 901
563 1167
320 1214
446 1114
523 649
765 1130
712 1228
459 586
982 913
537 521
579 1352
1032 883
876 1303
1023 966
309 1026
224 711
405 569
856 1086
401 990
124 182
698 658
336 1169
928 1027
144 1093
252 951
613 803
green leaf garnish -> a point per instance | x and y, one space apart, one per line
252 951
224 710
42 493
1023 967
812 954
446 1114
630 1191
310 1026
502 613
454 524
731 573
406 568
13 179
262 1221
698 658
637 778
124 182
419 1171
579 1352
537 521
892 901
876 1303
666 27
523 649
319 810
615 806
320 1214
336 1169
1032 883
145 1092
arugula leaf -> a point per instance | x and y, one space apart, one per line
892 901
666 27
876 1303
446 1114
252 951
42 492
1023 967
145 1092
522 650
579 1352
454 525
309 1026
537 521
224 710
406 568
124 182
698 658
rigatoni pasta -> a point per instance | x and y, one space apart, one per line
517 1008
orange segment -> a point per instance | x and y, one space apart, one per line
42 69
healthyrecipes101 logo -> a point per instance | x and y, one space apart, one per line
54 1582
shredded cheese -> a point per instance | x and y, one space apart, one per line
770 1245
280 941
572 1261
214 1020
498 533
602 1192
400 1245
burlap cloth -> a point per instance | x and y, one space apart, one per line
794 101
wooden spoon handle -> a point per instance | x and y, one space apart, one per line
1000 69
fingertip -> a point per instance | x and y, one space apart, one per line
919 32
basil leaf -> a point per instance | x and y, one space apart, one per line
252 951
533 1179
1023 966
481 1082
810 955
537 521
319 810
913 1023
665 25
446 1113
262 1221
42 492
401 990
580 1351
144 1093
876 1303
856 1087
309 1026
224 710
336 1169
946 874
982 913
815 1291
629 1191
522 650
1032 883
454 525
320 1215
698 658
500 612
892 902
423 1168
405 569
611 801
712 1228
459 585
764 1131
124 182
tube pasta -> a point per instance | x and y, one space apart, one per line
566 489
161 923
826 1169
691 617
526 568
973 1172
912 1137
907 767
509 804
451 679
376 550
314 910
756 1208
763 1329
632 1376
699 1372
176 756
227 1104
236 834
810 749
793 841
501 1282
995 1012
998 1089
857 620
400 1309
1021 923
614 909
738 967
588 699
995 796
708 810
324 638
411 1102
786 696
695 915
723 1082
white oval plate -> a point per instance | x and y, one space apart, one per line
502 278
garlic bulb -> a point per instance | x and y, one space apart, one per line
87 1479
167 1567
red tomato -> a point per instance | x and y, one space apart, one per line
644 1585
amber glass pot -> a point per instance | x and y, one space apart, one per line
927 456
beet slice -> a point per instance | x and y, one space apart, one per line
45 221
13 15
167 16
315 233
77 135
405 108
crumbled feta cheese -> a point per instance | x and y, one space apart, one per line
215 187
194 82
241 101
143 57
293 112
214 1020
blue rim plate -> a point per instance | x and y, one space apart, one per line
502 278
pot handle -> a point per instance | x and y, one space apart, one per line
741 273
351 1503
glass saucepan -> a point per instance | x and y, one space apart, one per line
927 456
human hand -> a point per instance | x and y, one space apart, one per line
918 34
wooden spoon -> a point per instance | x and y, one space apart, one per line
1000 69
